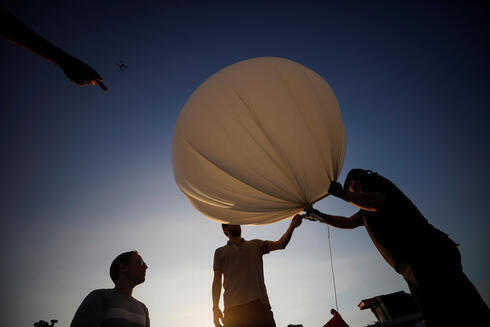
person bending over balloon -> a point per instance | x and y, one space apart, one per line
240 262
427 258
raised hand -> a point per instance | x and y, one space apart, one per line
297 220
336 189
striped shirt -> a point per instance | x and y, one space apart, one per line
110 308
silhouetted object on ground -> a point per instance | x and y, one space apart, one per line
240 262
336 321
427 258
42 323
116 306
15 31
122 66
395 309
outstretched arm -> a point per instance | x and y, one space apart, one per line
15 31
338 221
369 201
216 293
284 240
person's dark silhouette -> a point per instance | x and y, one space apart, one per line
116 306
336 320
42 323
240 262
15 31
427 258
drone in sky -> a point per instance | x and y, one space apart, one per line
122 66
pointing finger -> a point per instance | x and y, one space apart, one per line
102 85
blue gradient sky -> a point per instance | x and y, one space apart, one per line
87 175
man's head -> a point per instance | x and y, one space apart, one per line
232 230
359 180
128 266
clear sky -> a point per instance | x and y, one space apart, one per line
87 175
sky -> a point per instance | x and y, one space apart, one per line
87 175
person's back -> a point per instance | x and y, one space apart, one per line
398 229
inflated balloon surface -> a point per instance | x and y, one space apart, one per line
258 141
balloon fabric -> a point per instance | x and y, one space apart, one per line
258 141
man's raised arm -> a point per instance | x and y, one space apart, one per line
284 240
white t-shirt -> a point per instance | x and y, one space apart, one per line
243 272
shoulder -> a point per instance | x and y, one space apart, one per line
220 249
219 253
101 293
97 299
392 192
260 244
255 242
141 304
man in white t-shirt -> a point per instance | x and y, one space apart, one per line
115 307
240 262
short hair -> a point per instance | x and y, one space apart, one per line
223 226
370 181
123 258
357 175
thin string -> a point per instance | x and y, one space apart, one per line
331 265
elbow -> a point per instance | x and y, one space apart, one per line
278 247
281 247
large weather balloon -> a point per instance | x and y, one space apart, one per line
258 141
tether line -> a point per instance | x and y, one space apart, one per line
331 265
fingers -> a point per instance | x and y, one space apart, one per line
298 217
101 85
297 220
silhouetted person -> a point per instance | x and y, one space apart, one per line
116 306
427 258
336 320
15 31
240 262
42 323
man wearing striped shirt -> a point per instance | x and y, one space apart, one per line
116 306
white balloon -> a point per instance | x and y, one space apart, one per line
258 141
